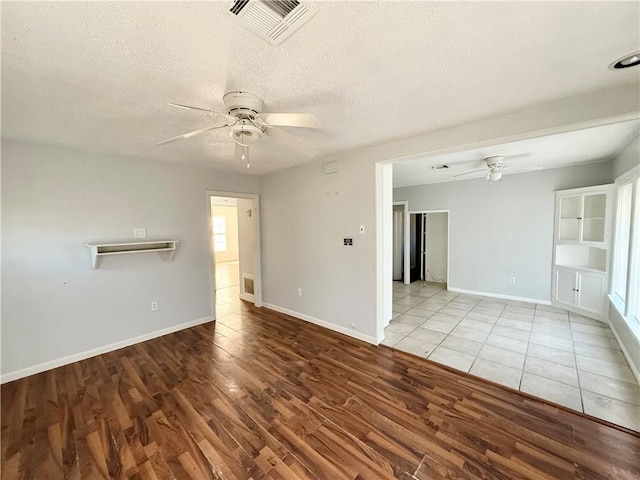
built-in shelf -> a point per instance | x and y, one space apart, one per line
581 256
581 267
581 250
166 247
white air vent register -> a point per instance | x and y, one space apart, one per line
272 20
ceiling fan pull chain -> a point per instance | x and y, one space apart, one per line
245 155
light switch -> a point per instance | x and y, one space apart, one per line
361 229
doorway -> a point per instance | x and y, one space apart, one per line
401 242
234 250
224 219
429 246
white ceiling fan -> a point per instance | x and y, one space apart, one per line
247 124
494 166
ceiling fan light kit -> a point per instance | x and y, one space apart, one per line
245 135
248 124
495 175
495 165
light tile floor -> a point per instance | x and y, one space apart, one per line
227 283
544 351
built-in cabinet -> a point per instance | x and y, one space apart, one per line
581 249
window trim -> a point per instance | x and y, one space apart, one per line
621 294
628 309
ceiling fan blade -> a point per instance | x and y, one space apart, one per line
305 120
472 171
189 107
191 134
521 169
291 141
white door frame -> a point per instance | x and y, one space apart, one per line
448 228
257 273
406 260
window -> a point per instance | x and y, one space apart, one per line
623 234
625 285
219 233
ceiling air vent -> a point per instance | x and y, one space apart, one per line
330 167
272 20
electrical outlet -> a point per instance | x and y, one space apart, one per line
154 306
139 233
353 325
361 229
299 292
512 280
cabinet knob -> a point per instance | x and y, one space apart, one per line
579 218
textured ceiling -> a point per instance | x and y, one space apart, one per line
96 75
552 151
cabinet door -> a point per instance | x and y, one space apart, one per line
569 218
565 288
591 292
593 217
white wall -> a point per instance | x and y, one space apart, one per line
502 229
628 158
437 240
302 244
302 227
53 202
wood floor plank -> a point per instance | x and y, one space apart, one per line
260 395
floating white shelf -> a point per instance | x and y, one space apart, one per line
102 249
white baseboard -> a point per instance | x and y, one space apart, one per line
500 296
247 297
76 357
323 323
626 354
630 360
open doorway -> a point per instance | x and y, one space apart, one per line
401 264
429 246
235 251
420 245
224 219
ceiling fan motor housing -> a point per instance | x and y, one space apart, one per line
494 163
243 104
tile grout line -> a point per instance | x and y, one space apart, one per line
575 359
490 331
526 349
455 326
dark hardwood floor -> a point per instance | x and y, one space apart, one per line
262 395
